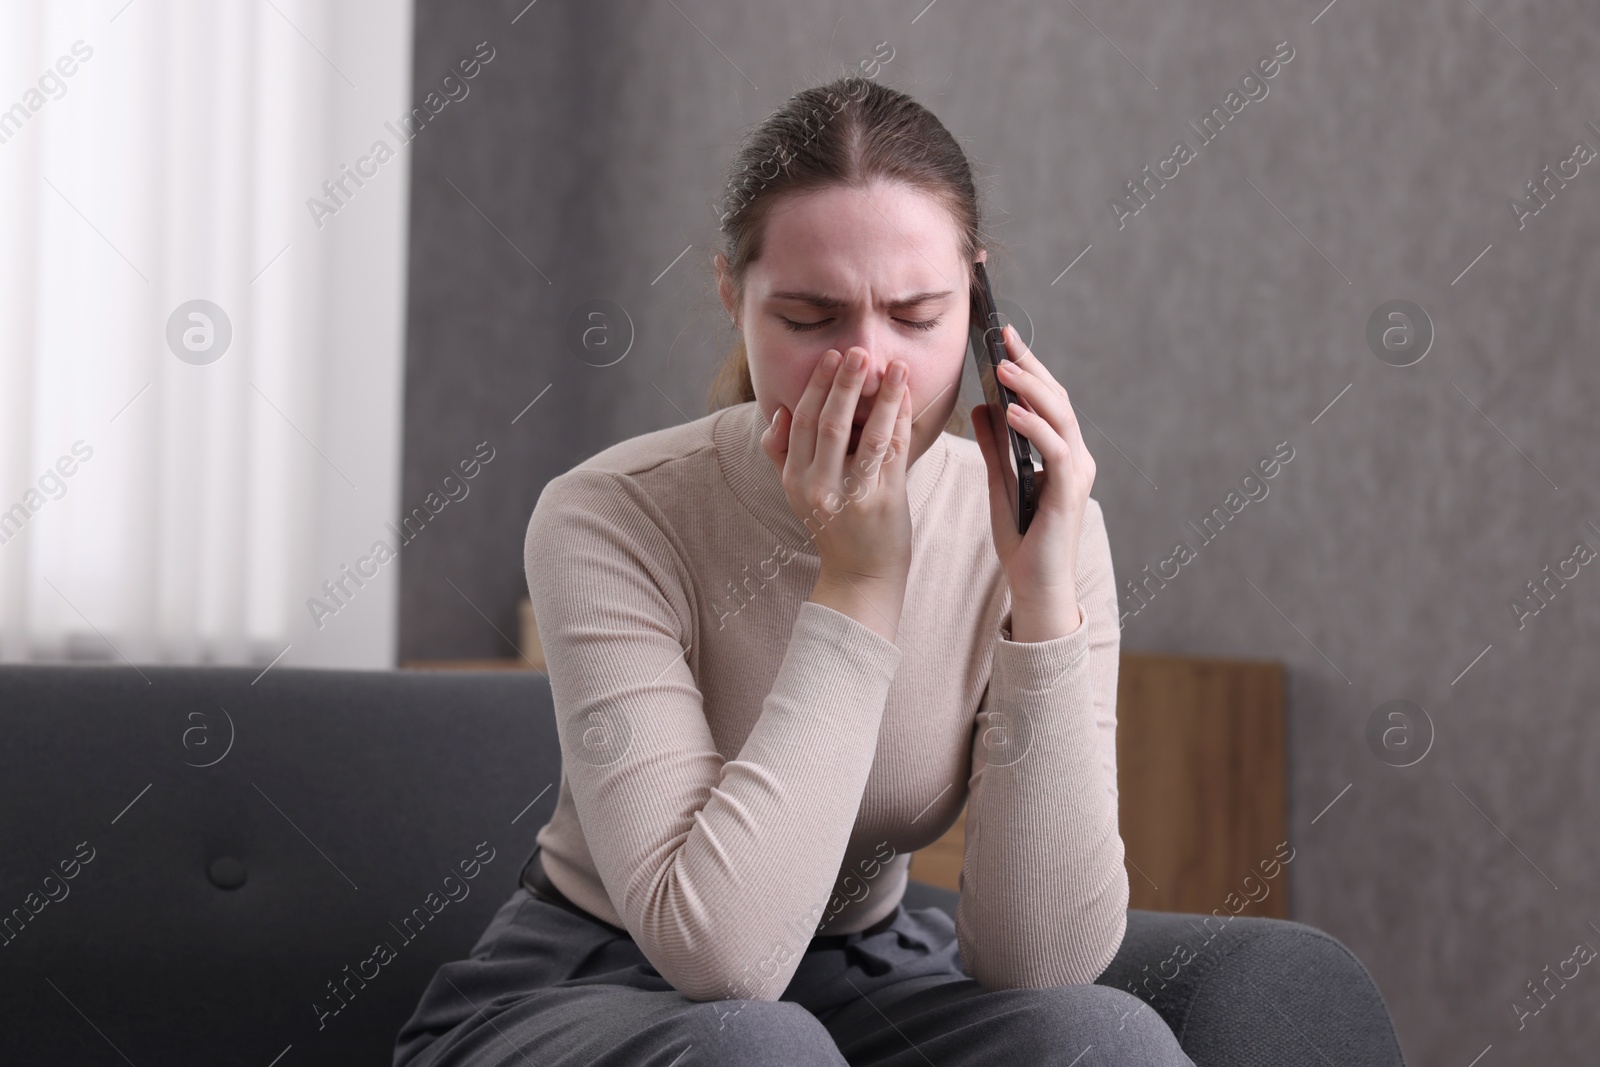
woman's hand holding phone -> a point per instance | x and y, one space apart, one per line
1040 565
856 506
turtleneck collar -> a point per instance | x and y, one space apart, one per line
754 480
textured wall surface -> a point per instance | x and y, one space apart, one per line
1228 315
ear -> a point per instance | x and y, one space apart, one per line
983 255
725 289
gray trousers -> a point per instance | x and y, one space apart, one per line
545 987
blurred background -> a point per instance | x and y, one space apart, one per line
276 275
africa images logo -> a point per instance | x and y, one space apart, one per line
337 191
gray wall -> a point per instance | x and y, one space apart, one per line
1224 318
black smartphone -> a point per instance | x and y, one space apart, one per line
1024 467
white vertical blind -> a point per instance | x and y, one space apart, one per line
206 501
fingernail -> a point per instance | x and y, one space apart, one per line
774 421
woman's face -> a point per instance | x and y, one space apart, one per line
839 267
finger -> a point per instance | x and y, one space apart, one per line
891 471
1032 381
1037 428
878 435
837 415
901 458
1040 397
803 437
1024 358
775 438
1065 462
1065 454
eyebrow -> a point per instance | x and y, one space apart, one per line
825 302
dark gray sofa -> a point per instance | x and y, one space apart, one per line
198 865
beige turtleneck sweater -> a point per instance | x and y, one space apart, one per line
743 769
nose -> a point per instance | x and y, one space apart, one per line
878 355
877 367
875 370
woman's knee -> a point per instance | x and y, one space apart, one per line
1117 1026
764 1033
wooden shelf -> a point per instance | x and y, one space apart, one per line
467 665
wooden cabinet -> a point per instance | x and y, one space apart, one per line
1202 787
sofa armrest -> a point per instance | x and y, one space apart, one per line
1244 991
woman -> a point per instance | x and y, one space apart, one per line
787 642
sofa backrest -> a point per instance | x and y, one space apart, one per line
199 864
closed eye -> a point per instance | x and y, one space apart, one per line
924 324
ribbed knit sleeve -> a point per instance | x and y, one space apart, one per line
1044 894
720 869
